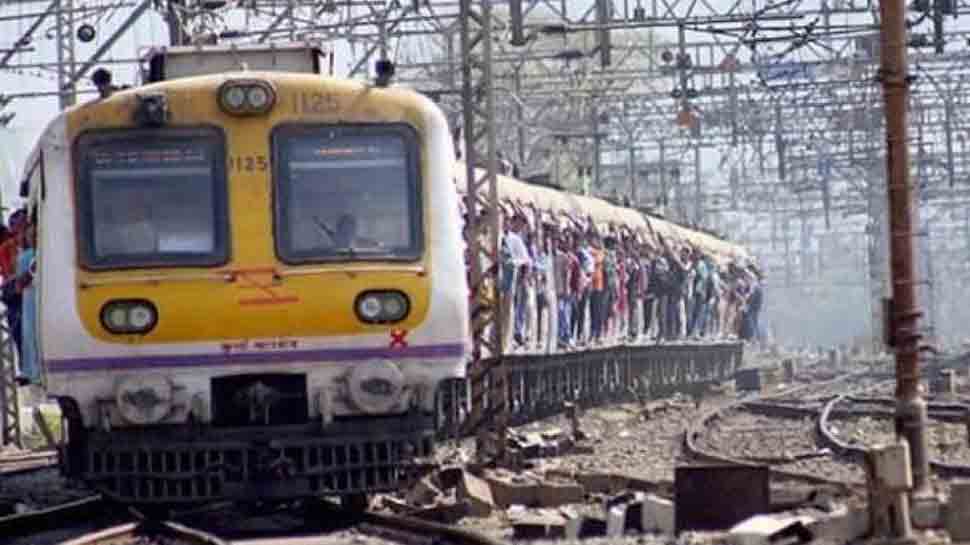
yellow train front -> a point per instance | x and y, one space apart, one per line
249 283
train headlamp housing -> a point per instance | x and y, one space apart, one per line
129 316
144 398
151 110
376 386
246 97
382 307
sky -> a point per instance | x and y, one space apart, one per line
14 147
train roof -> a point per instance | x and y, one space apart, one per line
579 209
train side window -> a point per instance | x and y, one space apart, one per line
152 199
347 193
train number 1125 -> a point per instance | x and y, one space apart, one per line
248 163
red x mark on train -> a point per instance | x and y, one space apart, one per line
397 338
252 279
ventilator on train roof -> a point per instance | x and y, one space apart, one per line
166 63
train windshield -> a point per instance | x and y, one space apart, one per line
152 199
347 193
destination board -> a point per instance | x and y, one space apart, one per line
123 156
348 148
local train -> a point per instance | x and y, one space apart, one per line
250 279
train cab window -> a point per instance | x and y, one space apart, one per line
152 199
347 193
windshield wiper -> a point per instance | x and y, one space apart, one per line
322 228
355 252
348 252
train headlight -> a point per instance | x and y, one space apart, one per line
382 307
246 97
395 306
234 98
369 308
257 97
140 317
376 387
116 319
144 399
129 316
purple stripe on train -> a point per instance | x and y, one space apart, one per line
254 358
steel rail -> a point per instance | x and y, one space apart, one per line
696 429
829 439
53 517
26 463
134 532
446 533
321 518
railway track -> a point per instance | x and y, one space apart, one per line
941 412
800 415
147 533
320 522
64 522
12 464
696 449
96 521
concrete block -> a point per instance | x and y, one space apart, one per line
601 483
511 489
620 499
542 524
565 445
926 512
585 527
890 464
657 515
423 492
554 494
843 526
616 521
529 444
393 504
444 513
823 500
552 434
478 494
634 517
624 513
765 529
660 488
958 511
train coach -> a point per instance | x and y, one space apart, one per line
249 279
553 206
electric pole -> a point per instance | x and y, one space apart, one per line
904 332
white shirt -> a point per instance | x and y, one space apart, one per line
517 249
